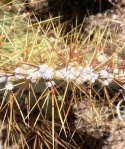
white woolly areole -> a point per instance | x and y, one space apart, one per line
9 86
19 70
78 74
34 76
103 74
116 71
67 73
3 77
43 68
50 83
19 73
46 71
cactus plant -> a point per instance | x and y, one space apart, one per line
58 89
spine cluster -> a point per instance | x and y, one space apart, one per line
76 73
